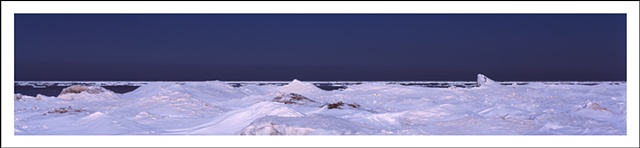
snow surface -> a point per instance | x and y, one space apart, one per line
300 108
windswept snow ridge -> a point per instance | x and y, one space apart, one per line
301 108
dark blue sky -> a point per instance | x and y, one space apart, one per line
436 47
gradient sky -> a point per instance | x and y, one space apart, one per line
320 47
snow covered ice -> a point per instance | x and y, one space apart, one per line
300 108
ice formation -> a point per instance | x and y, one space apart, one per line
300 108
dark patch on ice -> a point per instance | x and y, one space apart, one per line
275 84
62 110
337 105
55 90
292 98
17 97
506 83
581 83
121 89
340 104
323 86
440 84
589 83
432 85
330 86
236 85
460 86
30 91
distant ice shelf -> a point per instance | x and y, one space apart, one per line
44 84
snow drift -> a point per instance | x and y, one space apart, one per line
314 124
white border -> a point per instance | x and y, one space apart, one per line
630 8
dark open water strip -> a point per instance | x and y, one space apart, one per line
55 90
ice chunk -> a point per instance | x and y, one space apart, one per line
76 89
300 87
86 93
484 81
293 98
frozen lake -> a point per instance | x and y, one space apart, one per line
483 107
